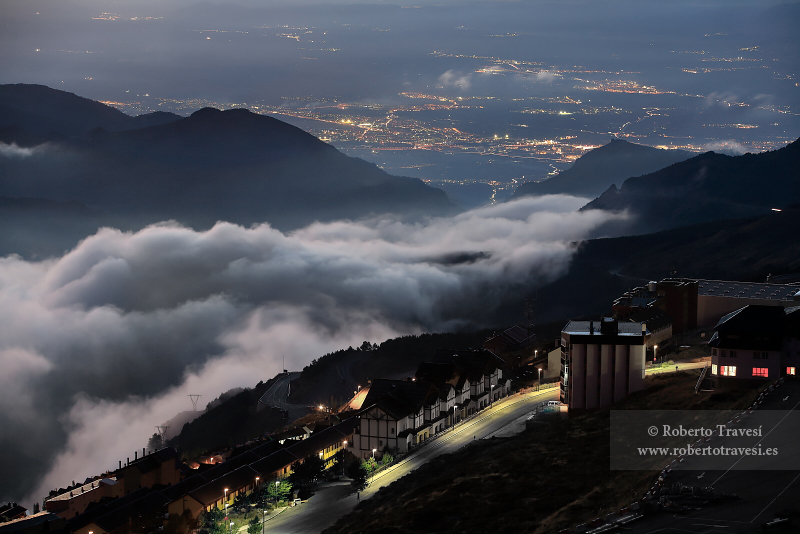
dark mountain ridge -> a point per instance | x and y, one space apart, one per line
214 165
707 187
54 114
595 171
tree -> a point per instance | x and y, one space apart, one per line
155 442
182 524
387 459
254 526
211 522
369 465
307 472
279 492
356 471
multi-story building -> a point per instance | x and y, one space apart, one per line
398 415
755 343
601 362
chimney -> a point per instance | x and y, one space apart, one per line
135 455
120 464
129 461
591 328
143 454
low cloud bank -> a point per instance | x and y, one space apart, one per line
104 343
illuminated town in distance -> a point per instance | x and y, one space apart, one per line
477 125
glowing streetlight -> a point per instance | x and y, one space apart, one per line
373 452
226 503
539 384
655 349
344 444
491 395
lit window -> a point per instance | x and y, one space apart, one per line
761 371
713 368
728 370
790 371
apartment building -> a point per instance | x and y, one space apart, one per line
601 362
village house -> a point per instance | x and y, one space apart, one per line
755 342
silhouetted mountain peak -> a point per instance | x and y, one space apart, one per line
52 113
615 161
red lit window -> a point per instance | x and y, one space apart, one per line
761 371
727 370
790 371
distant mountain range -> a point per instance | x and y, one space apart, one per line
595 171
214 165
707 187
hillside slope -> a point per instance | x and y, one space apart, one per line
744 249
54 114
707 187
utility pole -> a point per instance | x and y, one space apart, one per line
529 316
162 431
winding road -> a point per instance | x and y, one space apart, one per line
277 394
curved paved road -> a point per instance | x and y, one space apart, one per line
333 501
277 394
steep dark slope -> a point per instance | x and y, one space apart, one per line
708 187
743 249
595 171
55 114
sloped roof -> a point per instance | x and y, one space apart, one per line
148 504
104 508
215 489
184 487
273 463
319 441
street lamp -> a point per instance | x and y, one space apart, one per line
655 349
344 444
277 483
263 520
539 384
491 395
226 503
373 453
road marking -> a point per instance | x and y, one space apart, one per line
776 497
758 443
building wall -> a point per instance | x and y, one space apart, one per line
378 430
553 364
745 361
601 374
659 335
69 507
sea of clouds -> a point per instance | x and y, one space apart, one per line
103 343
